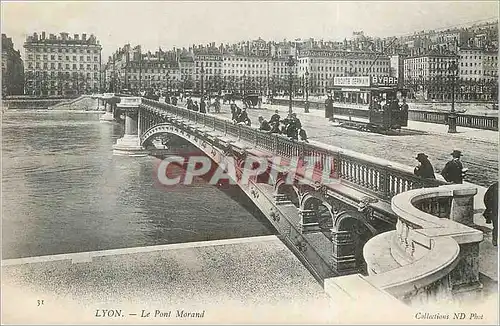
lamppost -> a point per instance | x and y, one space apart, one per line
306 106
202 71
452 117
290 64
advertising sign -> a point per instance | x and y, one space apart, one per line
384 81
352 81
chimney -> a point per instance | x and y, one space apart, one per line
43 35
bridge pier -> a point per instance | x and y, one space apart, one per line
108 113
343 259
109 100
130 144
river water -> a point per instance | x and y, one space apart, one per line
63 191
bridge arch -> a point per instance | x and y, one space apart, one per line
165 128
291 192
325 212
266 178
360 232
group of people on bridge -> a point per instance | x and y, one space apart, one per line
204 106
290 126
454 172
239 115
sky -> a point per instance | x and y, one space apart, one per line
169 24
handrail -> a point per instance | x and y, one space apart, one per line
425 247
380 177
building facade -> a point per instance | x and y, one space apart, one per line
429 75
478 74
61 65
128 69
430 78
12 69
419 61
322 66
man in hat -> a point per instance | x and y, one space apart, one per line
453 170
275 117
491 211
424 169
242 117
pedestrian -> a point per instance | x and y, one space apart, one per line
233 112
217 105
174 100
291 130
424 169
329 106
243 116
275 117
303 135
275 127
264 125
453 170
491 211
203 106
195 106
237 113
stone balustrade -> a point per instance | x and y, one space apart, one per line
463 120
130 102
430 253
379 177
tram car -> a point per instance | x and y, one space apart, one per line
368 107
386 112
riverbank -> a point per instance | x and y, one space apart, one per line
54 110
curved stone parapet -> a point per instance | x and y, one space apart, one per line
427 254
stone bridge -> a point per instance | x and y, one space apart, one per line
410 242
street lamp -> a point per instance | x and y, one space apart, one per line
290 64
452 117
202 72
306 106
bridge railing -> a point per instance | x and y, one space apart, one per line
463 120
372 174
430 255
